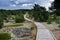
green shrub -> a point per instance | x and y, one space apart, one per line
59 26
5 36
34 27
49 21
19 19
1 23
15 25
57 20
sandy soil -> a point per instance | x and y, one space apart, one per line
56 33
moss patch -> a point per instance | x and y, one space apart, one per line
5 36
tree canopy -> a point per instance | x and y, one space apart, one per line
40 13
56 7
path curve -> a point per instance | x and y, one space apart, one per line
42 32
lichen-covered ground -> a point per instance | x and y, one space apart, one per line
22 28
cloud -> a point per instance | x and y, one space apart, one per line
23 4
51 0
44 3
16 2
26 5
11 0
22 0
13 5
47 6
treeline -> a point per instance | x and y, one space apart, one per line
38 12
5 13
55 7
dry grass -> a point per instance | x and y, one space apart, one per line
34 33
51 26
54 27
14 25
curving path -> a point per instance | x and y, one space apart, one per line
42 32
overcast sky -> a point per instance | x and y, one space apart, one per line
23 4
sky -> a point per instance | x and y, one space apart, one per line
23 4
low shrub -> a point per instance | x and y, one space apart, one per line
19 19
1 23
5 36
58 20
49 21
34 27
59 26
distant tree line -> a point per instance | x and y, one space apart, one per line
38 13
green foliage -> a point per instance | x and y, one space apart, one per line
39 13
5 36
55 7
49 20
1 25
1 22
54 17
34 27
19 19
57 19
59 26
15 25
